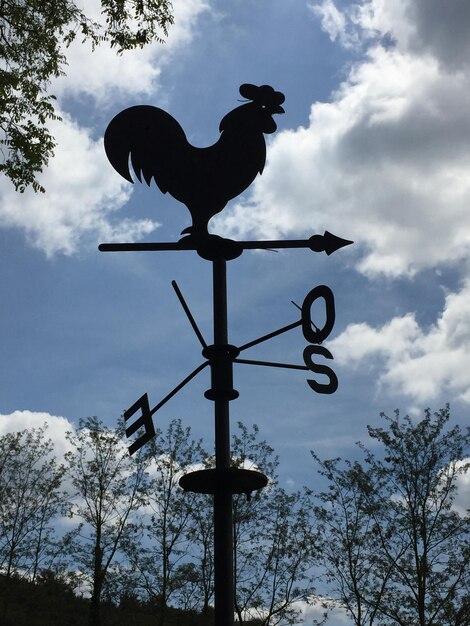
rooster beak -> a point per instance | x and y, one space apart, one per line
278 109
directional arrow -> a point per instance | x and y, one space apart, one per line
327 242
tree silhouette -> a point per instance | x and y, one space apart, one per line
396 547
109 486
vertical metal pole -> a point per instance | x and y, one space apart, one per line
223 517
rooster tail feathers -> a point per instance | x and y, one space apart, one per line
124 142
115 145
147 135
136 166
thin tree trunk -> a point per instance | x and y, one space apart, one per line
94 615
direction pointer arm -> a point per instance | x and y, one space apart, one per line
271 364
145 420
191 319
327 242
284 329
179 387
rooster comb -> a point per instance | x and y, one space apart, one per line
264 94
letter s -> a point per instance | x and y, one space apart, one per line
330 387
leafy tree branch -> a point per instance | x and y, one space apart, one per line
34 37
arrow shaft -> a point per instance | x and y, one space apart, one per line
317 243
168 246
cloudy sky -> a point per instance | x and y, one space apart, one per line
374 147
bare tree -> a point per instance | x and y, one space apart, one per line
395 544
274 568
110 486
30 499
162 561
348 547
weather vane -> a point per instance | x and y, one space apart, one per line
205 180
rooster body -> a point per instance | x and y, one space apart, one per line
204 179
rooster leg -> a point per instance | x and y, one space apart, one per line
197 233
209 246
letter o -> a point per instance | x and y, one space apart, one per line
317 336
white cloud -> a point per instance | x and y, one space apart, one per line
337 616
386 162
420 26
57 427
307 612
419 363
462 500
83 194
104 75
335 23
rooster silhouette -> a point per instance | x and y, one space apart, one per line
204 179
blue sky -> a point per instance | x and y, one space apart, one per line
374 147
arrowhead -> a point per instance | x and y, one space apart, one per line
328 243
